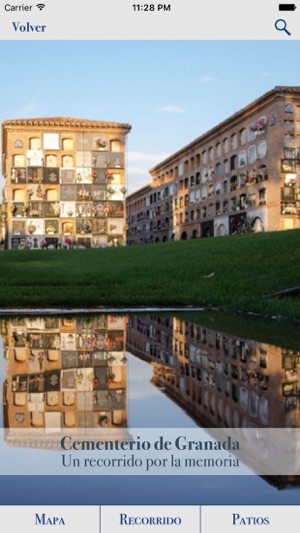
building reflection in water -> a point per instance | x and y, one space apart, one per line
221 380
64 373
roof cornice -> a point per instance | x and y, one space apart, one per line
65 122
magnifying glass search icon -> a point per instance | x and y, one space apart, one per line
280 25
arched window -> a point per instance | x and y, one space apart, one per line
51 160
243 179
218 169
51 195
35 143
243 136
68 145
262 196
204 175
242 158
211 190
234 141
288 108
115 145
18 161
257 225
233 162
262 172
226 145
252 199
243 201
19 195
262 149
221 231
67 161
233 183
251 154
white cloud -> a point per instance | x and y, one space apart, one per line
139 164
172 109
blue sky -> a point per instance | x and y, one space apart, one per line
169 91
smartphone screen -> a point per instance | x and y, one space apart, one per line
149 265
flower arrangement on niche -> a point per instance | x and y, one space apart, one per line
109 176
101 143
34 213
68 229
112 227
41 195
108 209
68 243
123 190
110 190
50 229
85 228
31 228
83 194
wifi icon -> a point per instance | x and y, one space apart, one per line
40 6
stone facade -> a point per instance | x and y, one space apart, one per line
65 183
242 175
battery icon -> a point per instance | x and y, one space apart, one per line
287 7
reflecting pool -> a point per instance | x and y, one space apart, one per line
118 372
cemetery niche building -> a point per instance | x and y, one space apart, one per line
242 175
65 183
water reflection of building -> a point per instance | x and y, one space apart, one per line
64 373
221 380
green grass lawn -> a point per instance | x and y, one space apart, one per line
230 272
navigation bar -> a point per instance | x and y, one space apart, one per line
173 19
133 519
